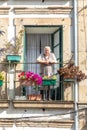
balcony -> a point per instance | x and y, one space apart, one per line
61 93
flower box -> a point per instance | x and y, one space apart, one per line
48 82
35 97
1 83
13 58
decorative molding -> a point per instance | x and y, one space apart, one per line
48 10
4 103
36 123
43 104
4 11
43 21
41 10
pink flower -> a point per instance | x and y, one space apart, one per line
30 76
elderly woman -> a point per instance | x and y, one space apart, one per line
47 61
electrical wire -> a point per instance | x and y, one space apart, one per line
51 115
59 114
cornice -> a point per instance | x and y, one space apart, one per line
49 10
42 10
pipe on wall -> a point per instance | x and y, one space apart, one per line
75 39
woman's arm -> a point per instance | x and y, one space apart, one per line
41 60
53 59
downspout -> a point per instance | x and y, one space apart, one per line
11 37
75 39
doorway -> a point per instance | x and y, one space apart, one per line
36 38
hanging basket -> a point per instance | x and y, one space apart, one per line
1 83
13 58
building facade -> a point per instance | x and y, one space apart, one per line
55 23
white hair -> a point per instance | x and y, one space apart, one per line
47 47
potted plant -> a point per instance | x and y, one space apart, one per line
49 80
71 73
13 50
1 78
31 79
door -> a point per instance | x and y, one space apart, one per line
58 51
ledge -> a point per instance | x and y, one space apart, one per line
4 103
82 103
37 123
43 104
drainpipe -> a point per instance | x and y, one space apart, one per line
11 39
11 27
75 39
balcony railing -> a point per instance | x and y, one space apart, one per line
61 90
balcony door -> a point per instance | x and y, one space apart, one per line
36 39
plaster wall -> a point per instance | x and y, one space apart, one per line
51 19
82 46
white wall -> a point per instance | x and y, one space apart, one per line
34 2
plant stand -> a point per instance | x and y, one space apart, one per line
12 62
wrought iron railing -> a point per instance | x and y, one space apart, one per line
50 90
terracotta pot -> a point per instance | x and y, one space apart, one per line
24 82
35 97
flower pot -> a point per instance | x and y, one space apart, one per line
35 97
25 82
13 58
1 83
48 82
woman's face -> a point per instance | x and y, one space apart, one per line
47 51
